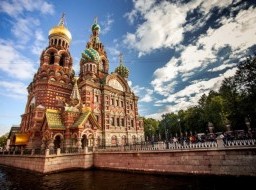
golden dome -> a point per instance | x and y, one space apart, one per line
60 30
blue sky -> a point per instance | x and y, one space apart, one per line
175 50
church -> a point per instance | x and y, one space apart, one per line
95 108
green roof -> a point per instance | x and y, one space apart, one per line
83 117
54 119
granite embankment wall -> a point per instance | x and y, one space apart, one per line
233 162
214 161
49 163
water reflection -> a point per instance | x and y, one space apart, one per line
11 178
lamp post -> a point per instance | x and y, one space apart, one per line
247 123
179 126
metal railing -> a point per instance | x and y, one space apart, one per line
144 146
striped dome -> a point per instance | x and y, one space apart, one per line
91 54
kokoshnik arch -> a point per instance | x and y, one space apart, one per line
63 110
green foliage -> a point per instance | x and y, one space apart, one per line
3 140
150 128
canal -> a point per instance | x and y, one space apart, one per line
16 179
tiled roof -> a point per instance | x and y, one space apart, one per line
83 117
54 119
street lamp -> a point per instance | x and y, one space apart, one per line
179 125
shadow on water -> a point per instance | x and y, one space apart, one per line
11 178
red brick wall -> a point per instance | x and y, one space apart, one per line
215 162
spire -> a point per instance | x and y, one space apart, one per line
121 58
75 95
96 20
62 20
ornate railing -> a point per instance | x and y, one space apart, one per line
145 146
156 146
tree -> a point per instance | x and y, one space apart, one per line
3 140
151 128
245 78
232 102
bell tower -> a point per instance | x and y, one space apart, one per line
53 82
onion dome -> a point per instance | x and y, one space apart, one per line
91 55
95 26
121 69
61 30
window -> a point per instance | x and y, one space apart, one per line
117 103
122 121
112 101
112 121
122 104
117 121
132 124
131 106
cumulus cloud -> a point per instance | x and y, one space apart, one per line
16 7
13 89
107 24
14 63
165 22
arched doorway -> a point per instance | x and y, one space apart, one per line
57 142
84 141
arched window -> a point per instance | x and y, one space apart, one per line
59 42
62 60
51 58
55 41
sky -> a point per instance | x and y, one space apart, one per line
176 51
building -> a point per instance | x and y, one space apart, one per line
63 110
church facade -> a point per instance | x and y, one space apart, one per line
95 108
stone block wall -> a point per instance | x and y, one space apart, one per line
47 164
236 162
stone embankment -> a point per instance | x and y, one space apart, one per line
237 159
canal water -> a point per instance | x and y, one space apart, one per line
16 179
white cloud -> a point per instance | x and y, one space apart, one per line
16 7
165 22
222 67
14 63
23 28
13 89
107 24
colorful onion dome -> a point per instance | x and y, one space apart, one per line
121 69
95 26
60 30
91 54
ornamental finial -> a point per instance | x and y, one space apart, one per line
96 20
62 20
121 58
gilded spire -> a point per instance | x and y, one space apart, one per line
62 20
